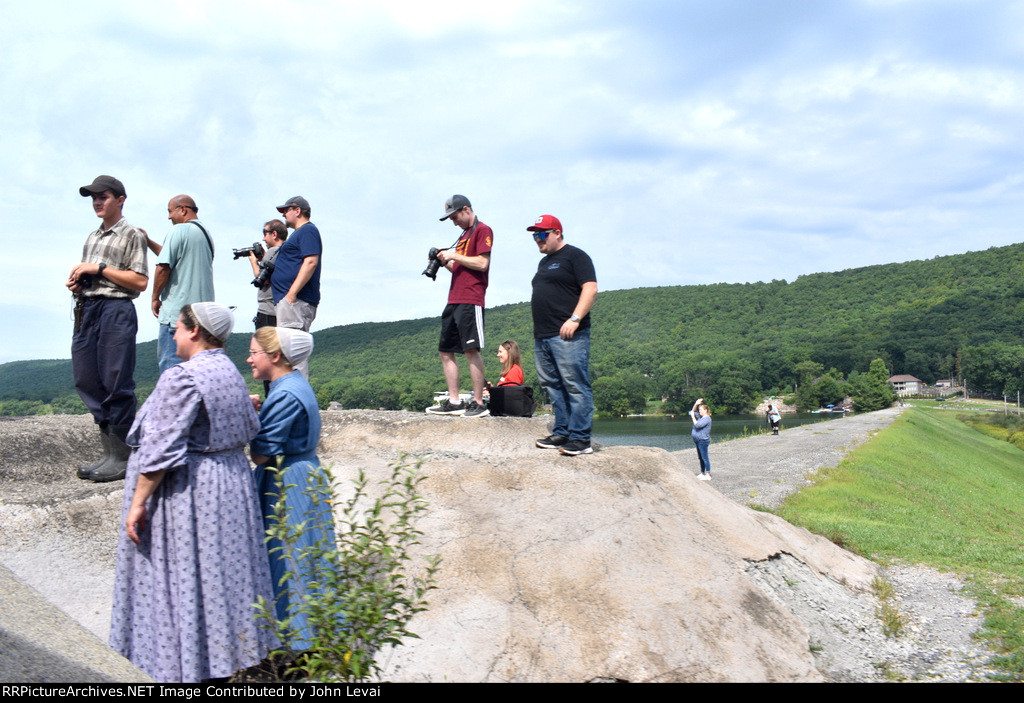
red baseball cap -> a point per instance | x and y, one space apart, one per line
546 222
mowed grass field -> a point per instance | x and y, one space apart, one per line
931 490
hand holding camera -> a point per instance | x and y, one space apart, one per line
256 250
434 263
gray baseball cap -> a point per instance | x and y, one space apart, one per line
454 204
298 201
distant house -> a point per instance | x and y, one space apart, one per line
905 384
944 383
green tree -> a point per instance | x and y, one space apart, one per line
620 394
871 391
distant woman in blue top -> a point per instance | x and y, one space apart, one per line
288 437
701 434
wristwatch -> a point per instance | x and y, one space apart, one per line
575 317
100 271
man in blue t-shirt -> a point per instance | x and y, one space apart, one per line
296 280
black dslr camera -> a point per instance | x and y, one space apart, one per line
433 265
263 277
256 248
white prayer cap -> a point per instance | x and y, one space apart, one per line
296 345
215 318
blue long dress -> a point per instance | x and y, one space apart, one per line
183 598
290 432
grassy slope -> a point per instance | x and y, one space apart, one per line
931 490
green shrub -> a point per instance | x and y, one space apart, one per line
365 594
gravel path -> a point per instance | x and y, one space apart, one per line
937 643
764 469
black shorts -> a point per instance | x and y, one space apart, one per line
462 328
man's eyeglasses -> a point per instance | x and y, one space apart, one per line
541 235
266 231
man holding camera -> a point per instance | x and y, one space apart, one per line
296 281
112 274
462 322
564 291
275 233
184 273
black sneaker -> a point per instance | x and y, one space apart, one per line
551 441
447 408
576 447
474 409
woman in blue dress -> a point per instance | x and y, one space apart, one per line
191 560
288 437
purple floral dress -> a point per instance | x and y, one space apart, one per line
183 598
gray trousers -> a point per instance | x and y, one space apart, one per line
299 316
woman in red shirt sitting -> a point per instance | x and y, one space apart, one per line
511 364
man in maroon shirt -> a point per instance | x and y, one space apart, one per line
462 323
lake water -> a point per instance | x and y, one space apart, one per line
673 433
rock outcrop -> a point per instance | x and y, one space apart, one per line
618 565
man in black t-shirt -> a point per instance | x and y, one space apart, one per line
564 290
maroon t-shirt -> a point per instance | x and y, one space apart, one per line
469 286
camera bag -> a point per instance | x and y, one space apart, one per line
511 401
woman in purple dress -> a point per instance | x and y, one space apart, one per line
191 560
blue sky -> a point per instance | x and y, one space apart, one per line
678 142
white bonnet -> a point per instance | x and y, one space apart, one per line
296 345
215 318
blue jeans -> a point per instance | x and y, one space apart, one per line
702 455
166 349
563 368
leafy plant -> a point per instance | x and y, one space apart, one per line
362 591
892 620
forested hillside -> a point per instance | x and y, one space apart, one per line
959 315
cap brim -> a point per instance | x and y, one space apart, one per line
448 215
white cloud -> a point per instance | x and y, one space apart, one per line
678 142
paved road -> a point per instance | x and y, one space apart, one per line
764 469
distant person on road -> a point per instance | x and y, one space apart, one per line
773 418
701 434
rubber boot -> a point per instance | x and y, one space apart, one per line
84 471
114 468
